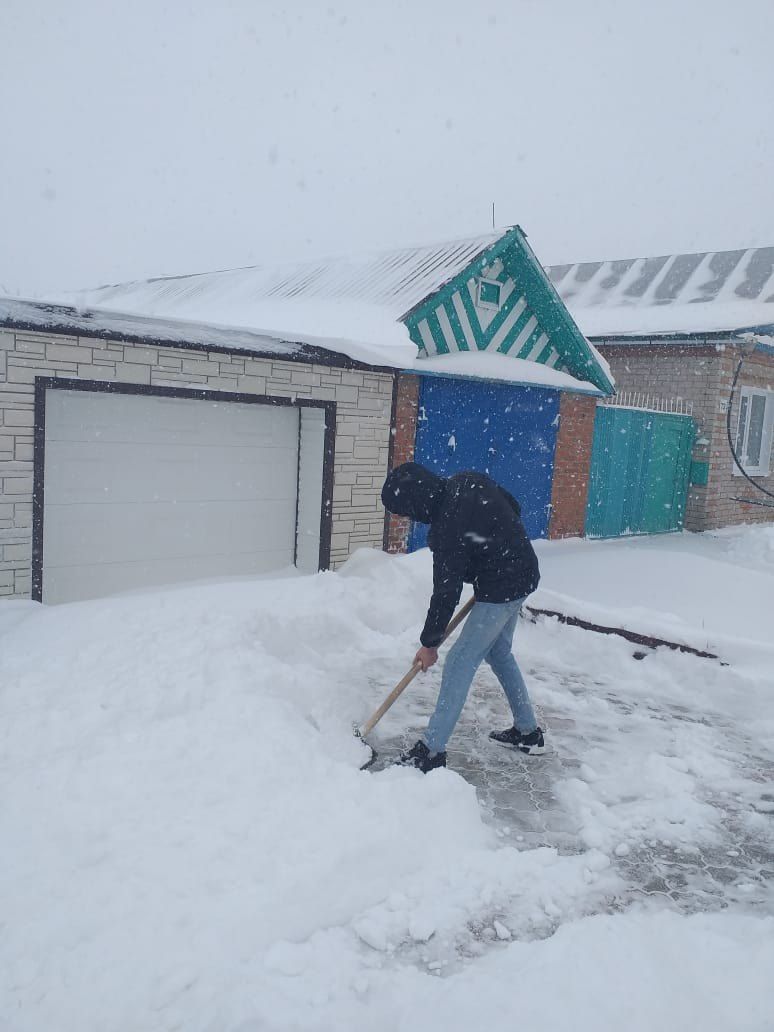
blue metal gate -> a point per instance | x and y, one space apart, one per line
507 432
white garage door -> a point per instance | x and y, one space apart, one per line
142 490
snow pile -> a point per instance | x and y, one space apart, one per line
712 591
184 801
752 547
606 973
193 846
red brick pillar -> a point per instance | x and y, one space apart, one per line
572 466
404 429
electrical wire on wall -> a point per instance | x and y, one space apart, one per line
740 467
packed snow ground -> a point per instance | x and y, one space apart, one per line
711 590
189 843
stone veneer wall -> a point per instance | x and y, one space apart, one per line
700 375
363 405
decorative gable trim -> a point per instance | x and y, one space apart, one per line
530 322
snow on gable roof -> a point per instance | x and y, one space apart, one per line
681 293
351 304
389 282
44 317
359 306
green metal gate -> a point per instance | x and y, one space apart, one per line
640 468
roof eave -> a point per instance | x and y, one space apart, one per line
71 322
590 391
699 336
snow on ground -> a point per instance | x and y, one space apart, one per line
189 843
711 590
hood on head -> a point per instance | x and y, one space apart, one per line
411 490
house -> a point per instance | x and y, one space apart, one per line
237 422
682 334
497 359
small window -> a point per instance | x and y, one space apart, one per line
488 293
754 431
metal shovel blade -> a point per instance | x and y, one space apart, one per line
356 731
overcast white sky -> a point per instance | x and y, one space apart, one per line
167 136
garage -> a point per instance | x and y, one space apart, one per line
506 431
143 487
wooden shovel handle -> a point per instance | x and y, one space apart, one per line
406 680
458 618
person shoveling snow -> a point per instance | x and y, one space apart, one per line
476 536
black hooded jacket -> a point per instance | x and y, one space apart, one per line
476 536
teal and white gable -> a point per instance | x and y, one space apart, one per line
503 303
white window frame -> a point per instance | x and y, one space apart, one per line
741 437
489 304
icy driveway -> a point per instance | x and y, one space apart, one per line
629 747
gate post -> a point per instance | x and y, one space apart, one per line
403 431
572 465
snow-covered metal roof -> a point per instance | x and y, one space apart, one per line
394 281
363 305
353 304
41 317
680 293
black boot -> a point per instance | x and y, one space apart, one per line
419 756
532 744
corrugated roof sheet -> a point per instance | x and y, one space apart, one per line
681 293
392 281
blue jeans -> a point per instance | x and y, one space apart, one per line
487 634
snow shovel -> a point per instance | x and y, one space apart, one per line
405 681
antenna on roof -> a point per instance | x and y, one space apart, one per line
493 215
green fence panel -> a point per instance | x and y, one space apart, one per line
668 474
640 469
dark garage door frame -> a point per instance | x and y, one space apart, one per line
43 384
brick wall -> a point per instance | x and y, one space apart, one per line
680 372
363 403
700 375
572 465
725 486
396 528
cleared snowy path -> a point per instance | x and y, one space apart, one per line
617 742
